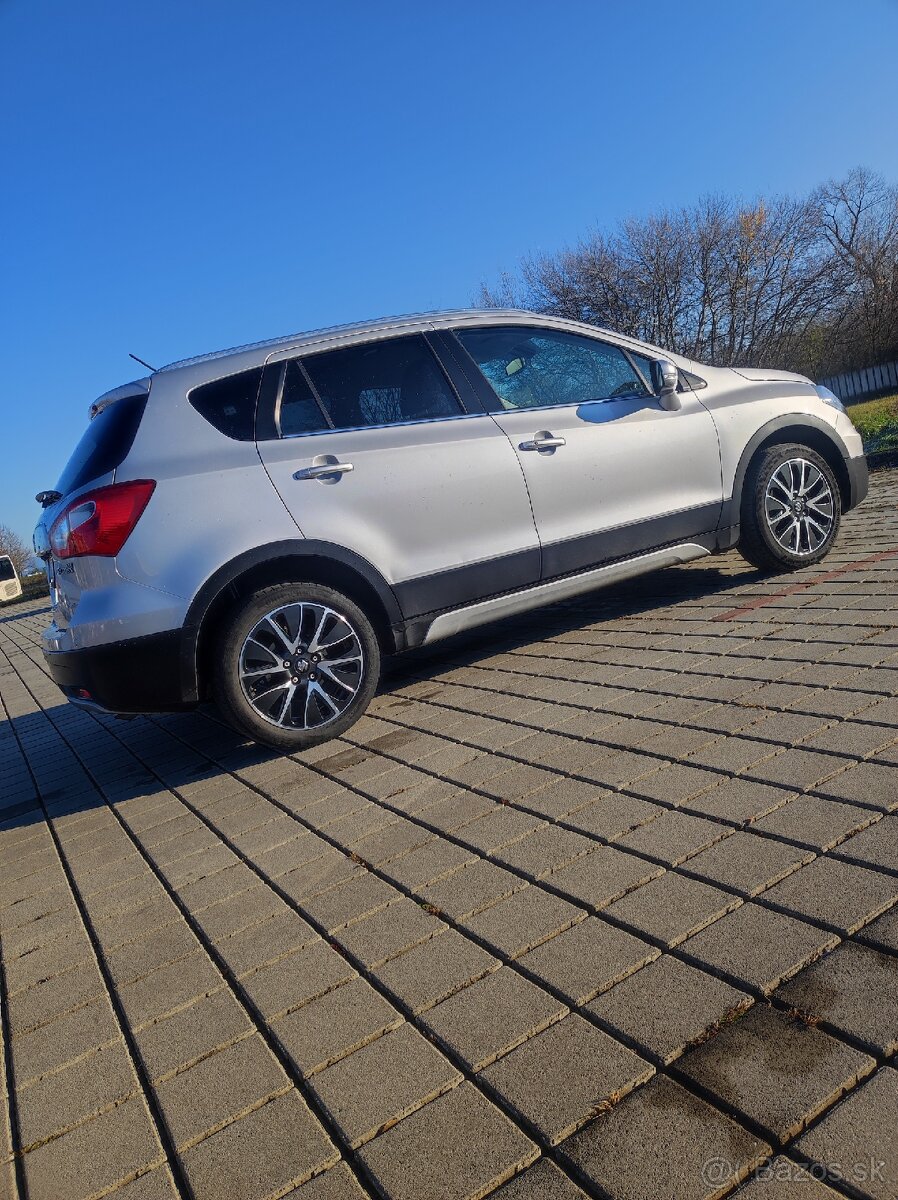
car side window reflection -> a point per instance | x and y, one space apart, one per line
389 382
539 368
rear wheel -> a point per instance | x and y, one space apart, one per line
297 664
791 509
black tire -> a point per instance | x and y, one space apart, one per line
245 689
778 534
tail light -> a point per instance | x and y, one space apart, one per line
101 521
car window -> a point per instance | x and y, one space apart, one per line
536 368
299 411
644 363
229 404
381 383
105 443
7 570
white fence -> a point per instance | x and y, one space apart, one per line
854 385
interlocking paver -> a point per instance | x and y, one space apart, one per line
51 998
749 863
854 989
776 1070
672 907
778 1179
296 978
858 1137
814 822
432 970
190 1033
603 876
96 1155
383 1082
657 1142
218 1088
557 1081
460 1145
587 959
260 1154
840 894
66 1097
673 837
542 1181
389 931
666 1006
522 921
492 1016
333 1025
759 947
166 988
471 889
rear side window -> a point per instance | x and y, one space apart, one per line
230 404
104 444
381 383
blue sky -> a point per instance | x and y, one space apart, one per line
185 175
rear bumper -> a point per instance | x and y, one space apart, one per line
858 480
140 675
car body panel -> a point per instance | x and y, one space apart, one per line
422 498
625 462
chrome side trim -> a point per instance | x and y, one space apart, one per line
558 589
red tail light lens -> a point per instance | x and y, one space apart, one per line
101 521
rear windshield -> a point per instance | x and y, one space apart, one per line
104 444
7 570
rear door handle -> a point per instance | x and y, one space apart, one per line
544 440
323 470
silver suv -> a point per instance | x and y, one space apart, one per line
259 526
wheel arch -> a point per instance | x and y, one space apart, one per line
803 430
282 562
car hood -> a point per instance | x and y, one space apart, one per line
770 375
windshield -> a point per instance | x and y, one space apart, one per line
7 570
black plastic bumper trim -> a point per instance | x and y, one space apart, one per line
139 675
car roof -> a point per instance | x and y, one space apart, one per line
450 318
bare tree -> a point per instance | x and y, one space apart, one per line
14 546
809 283
859 216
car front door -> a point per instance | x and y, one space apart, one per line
371 449
610 472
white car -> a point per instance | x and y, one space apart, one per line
259 526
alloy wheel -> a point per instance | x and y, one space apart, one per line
799 507
301 665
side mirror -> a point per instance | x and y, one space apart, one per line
666 379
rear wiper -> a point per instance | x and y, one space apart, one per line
45 499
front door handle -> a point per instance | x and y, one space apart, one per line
544 440
323 470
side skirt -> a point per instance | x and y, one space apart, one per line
472 615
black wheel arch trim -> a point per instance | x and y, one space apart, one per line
853 474
231 571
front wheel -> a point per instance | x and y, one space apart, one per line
297 664
791 508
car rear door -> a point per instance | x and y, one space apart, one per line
371 449
609 471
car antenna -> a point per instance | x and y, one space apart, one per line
140 360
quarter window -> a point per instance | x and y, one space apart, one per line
539 368
379 383
230 403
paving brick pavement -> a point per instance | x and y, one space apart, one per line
600 901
